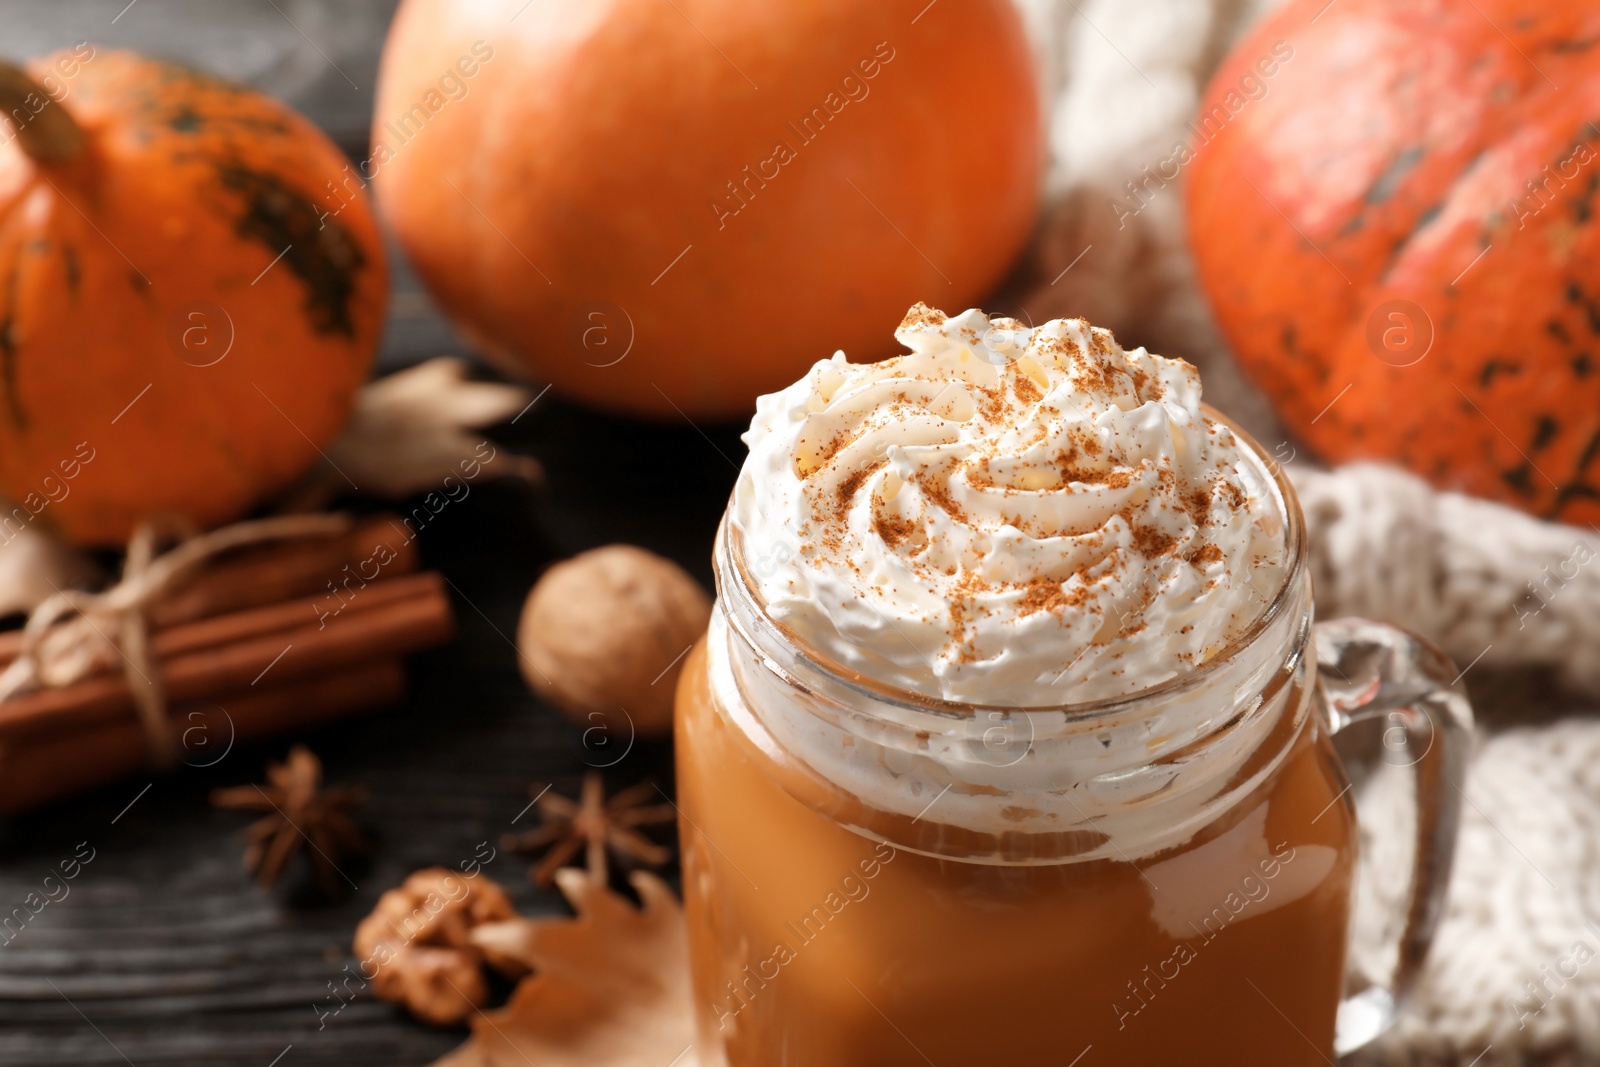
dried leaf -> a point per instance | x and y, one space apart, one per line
410 431
610 988
34 566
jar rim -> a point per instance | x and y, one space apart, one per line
731 576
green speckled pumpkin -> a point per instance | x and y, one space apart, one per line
191 291
1399 237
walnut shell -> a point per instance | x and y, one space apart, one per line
417 949
607 630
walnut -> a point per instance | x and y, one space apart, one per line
607 630
417 949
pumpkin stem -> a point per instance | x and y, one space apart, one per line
46 132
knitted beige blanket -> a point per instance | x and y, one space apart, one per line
1515 974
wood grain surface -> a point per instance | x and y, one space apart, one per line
164 952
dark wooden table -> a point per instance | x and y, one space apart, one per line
164 952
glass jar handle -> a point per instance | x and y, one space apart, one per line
1369 670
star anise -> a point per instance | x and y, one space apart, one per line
298 812
593 824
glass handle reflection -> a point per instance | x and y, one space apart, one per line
1368 670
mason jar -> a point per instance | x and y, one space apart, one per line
877 878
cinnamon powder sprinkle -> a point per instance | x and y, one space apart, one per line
1047 594
923 315
1236 497
850 486
940 494
1153 543
1017 449
894 529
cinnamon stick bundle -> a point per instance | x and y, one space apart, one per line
276 573
264 640
35 770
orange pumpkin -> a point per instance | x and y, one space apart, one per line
1398 236
191 291
669 208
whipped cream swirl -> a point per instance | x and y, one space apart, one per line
1005 515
